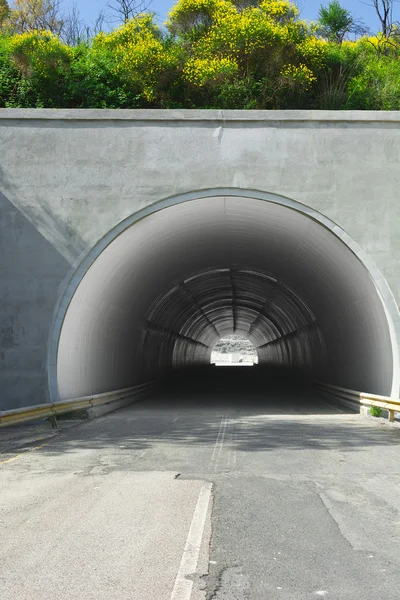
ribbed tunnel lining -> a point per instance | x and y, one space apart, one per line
166 289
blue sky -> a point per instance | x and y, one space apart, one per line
89 9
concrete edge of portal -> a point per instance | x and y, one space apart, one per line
201 115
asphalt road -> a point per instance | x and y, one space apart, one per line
224 496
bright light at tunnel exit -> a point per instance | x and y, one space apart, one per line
234 350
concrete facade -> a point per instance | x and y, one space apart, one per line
67 178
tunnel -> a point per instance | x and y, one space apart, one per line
167 286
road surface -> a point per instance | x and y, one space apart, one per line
202 496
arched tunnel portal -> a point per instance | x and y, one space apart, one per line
161 289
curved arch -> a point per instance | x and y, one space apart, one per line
71 285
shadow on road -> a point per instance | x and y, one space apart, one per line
267 411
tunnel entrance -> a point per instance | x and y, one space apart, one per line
161 289
234 350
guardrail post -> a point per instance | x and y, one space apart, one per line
53 421
391 415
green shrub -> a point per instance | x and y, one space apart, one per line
215 55
9 73
375 411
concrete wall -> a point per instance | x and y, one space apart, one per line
68 177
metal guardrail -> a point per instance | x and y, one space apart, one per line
349 398
51 410
390 404
356 400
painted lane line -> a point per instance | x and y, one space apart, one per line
183 585
4 462
222 437
218 437
231 463
219 442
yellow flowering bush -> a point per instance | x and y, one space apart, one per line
298 75
196 16
201 71
280 10
137 52
257 41
313 51
39 53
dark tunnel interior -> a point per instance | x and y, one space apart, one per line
164 291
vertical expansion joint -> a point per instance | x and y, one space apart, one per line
170 332
234 299
266 305
193 300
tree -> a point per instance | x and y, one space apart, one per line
35 15
123 10
74 29
98 24
335 22
4 11
384 10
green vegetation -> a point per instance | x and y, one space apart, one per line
336 22
243 54
375 411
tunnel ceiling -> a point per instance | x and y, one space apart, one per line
167 288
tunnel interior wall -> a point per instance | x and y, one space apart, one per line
168 287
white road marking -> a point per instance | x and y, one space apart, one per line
218 437
183 586
232 453
219 443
